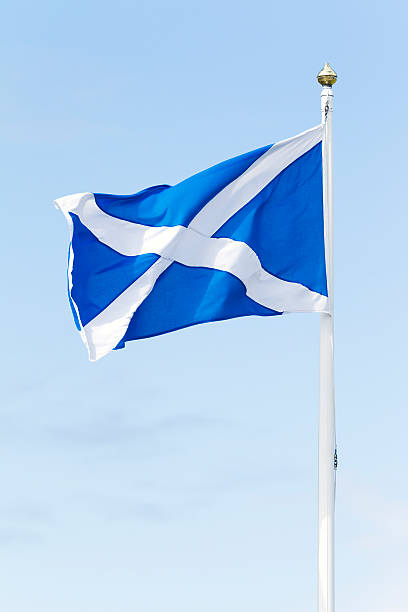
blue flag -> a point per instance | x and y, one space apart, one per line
245 237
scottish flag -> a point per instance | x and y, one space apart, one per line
245 237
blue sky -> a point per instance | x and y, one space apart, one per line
180 473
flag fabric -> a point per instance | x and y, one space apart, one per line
244 237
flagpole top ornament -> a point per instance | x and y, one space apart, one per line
327 77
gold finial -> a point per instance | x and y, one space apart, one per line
327 77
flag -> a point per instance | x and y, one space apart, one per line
244 237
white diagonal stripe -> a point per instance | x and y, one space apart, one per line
186 246
244 188
114 320
194 250
192 246
123 236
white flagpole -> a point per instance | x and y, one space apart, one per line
327 433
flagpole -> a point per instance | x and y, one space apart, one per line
327 432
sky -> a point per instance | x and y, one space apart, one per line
180 474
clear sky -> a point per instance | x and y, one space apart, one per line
179 474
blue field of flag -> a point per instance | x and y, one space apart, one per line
244 237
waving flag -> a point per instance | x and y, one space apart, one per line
245 237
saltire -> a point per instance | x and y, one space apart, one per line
244 237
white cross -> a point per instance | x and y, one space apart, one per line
193 246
